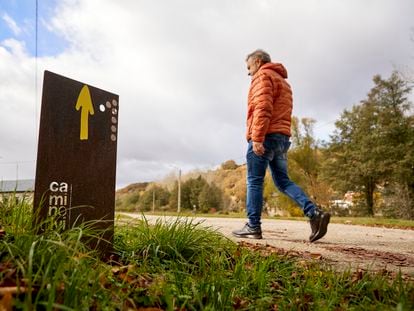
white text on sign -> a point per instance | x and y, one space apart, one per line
59 202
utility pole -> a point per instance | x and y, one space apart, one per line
179 191
153 200
17 174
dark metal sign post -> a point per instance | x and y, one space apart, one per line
76 159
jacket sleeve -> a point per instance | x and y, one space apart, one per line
263 107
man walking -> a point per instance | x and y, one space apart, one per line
268 131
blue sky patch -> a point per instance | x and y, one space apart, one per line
18 21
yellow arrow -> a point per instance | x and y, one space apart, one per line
85 103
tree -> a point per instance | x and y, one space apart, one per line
229 165
190 192
370 140
398 130
210 197
173 202
304 160
354 153
153 195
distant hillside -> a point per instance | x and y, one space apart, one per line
133 188
129 195
230 178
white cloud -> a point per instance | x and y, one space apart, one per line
179 69
10 22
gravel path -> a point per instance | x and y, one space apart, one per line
345 246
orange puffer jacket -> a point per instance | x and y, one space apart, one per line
269 107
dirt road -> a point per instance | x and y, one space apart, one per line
344 246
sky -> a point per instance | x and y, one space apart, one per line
179 69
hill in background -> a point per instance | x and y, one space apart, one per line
228 182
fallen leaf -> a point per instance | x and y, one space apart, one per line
357 276
240 303
2 233
316 255
275 308
11 290
6 303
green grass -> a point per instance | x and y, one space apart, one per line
176 265
376 221
364 221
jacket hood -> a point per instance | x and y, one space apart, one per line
279 68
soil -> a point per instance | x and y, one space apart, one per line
345 246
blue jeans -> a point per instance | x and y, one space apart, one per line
276 146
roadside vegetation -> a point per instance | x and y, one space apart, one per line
178 265
376 221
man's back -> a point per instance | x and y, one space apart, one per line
269 103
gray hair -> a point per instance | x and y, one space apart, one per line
263 56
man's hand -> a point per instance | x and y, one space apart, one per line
258 148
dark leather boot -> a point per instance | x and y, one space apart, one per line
248 232
319 225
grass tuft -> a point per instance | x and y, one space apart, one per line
181 239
